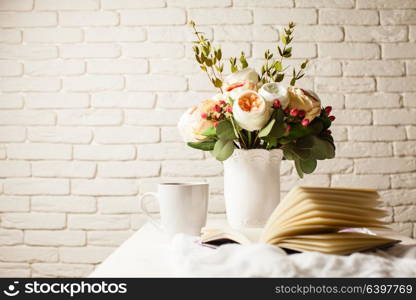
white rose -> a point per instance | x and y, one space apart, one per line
274 91
240 81
247 74
250 111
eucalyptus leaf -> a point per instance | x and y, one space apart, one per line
266 130
279 77
308 166
288 154
210 131
223 149
278 66
218 83
322 149
299 168
225 130
305 142
206 145
278 130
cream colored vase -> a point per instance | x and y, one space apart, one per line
251 186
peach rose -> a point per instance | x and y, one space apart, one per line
193 122
250 111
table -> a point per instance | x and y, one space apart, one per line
147 248
146 254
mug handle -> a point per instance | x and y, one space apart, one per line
143 207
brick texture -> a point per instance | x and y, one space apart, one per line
91 91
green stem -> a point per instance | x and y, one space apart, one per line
240 137
216 77
249 137
255 139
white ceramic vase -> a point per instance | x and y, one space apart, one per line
251 186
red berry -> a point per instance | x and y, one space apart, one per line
204 115
331 118
229 109
328 131
328 109
215 124
276 103
301 114
286 111
294 112
305 122
217 108
288 128
222 102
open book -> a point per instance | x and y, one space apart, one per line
327 220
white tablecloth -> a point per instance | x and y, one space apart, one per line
148 253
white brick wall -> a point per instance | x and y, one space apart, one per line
91 90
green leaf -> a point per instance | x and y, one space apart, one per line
205 50
271 142
198 59
317 125
206 145
283 39
299 168
217 83
288 153
280 50
305 142
300 76
243 61
322 149
210 131
308 166
225 130
278 130
278 66
293 81
223 149
279 115
266 130
279 77
297 153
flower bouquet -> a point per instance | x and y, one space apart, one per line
257 120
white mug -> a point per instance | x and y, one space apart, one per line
183 207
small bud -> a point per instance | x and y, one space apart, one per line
276 103
301 114
217 108
286 111
222 102
191 23
229 109
328 131
288 128
328 110
305 122
331 118
294 112
204 115
215 124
